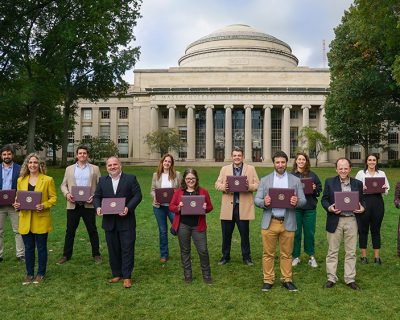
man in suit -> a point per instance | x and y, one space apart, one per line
278 224
236 207
341 225
120 229
82 173
9 174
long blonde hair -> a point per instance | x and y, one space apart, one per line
24 168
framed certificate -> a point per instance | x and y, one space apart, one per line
164 195
237 183
193 205
81 193
7 197
347 201
307 185
374 184
280 197
112 205
29 199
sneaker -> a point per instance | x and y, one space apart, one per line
38 279
27 280
378 261
364 260
266 287
290 286
248 262
295 261
312 262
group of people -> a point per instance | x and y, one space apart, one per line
285 226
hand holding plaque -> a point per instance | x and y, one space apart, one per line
164 195
7 197
374 185
193 205
347 201
28 200
237 183
81 193
113 206
281 197
307 185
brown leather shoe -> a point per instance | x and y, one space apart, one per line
163 260
97 259
127 283
114 280
62 260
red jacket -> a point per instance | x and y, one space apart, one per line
173 207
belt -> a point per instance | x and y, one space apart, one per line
278 218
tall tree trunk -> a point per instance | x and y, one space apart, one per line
64 140
32 113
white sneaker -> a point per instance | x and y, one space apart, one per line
312 262
295 261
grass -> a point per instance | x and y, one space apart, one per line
79 289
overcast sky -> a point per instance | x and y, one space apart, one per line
168 26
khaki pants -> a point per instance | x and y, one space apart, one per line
270 237
14 218
347 230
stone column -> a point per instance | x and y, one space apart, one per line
154 127
171 116
248 145
191 133
228 132
209 132
286 129
306 122
322 128
267 130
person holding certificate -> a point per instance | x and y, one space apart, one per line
374 207
190 223
279 194
34 225
306 216
164 179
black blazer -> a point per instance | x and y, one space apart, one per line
129 188
328 198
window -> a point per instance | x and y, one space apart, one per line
276 130
123 146
70 146
164 114
105 113
105 132
294 114
294 138
182 114
123 113
393 136
200 130
393 154
355 152
183 136
86 133
313 113
87 114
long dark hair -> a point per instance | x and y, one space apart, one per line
160 169
366 161
307 166
193 172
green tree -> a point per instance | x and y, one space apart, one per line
163 141
100 148
314 142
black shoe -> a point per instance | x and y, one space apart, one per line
223 261
378 261
353 285
328 284
248 262
364 260
266 287
188 279
290 286
207 280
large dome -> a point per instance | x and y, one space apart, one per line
238 45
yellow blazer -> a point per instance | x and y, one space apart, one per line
35 221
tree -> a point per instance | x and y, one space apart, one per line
100 148
364 99
163 141
314 141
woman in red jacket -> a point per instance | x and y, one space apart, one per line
191 226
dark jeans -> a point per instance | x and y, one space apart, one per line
40 240
185 233
371 219
73 218
227 230
121 252
162 214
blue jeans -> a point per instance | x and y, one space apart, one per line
161 214
40 240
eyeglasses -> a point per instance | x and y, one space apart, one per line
190 179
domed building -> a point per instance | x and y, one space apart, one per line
234 87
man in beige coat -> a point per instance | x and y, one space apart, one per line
237 207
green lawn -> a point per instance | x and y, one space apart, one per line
79 289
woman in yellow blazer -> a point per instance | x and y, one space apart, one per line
34 225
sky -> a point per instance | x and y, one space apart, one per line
167 27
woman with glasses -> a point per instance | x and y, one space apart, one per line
165 177
191 226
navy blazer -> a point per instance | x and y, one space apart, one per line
15 175
328 198
129 188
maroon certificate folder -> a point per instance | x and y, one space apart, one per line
112 205
280 197
237 183
347 201
193 205
29 199
307 185
164 195
374 184
81 193
7 197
